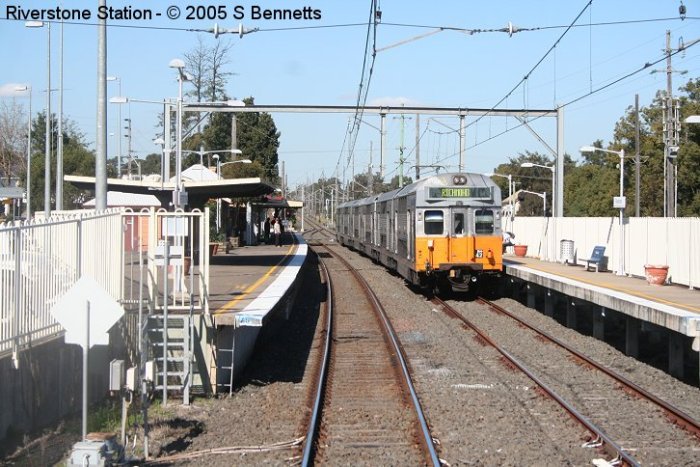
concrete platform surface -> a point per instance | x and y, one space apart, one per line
247 282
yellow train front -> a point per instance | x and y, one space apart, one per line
441 232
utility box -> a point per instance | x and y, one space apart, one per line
116 375
131 378
98 449
567 252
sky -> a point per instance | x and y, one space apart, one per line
435 54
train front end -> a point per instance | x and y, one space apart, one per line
458 237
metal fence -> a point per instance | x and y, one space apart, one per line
674 242
41 259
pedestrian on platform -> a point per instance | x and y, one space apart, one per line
277 230
508 238
266 229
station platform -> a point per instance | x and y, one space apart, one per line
247 284
674 307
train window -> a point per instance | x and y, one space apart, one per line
458 223
434 222
483 221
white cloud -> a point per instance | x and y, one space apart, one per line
10 90
389 101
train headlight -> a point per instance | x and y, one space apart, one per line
489 254
459 180
430 244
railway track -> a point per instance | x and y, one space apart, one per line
605 407
365 408
677 416
623 419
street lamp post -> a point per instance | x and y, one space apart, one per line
548 167
47 149
618 202
119 117
28 88
542 195
510 193
178 197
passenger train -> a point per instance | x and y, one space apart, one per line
442 233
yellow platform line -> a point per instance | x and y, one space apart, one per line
228 305
618 289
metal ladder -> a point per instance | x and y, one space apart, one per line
171 349
221 366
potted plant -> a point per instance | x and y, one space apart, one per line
216 242
656 274
520 250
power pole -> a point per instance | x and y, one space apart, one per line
636 155
671 140
370 179
128 146
417 146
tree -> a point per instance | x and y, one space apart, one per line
77 160
258 138
13 141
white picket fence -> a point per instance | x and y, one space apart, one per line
674 242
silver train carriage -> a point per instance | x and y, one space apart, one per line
441 232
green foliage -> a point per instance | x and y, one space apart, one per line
77 160
590 184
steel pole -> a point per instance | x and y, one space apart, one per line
29 158
621 272
101 135
47 149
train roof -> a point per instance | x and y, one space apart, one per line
463 179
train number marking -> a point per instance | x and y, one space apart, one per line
479 253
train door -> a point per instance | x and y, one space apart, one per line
486 242
409 234
459 249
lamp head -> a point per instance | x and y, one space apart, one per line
489 174
527 164
159 141
34 24
588 149
177 63
22 88
118 100
693 119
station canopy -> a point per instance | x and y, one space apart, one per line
199 190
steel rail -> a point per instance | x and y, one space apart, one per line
682 419
391 333
315 421
608 444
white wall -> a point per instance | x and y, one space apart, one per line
674 242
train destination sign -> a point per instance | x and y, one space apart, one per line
474 192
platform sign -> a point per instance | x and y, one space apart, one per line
70 312
619 202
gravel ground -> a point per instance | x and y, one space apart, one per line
481 413
484 415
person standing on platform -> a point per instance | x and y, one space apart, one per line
277 230
266 229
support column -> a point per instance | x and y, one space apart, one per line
570 314
549 301
599 323
531 303
675 354
632 337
